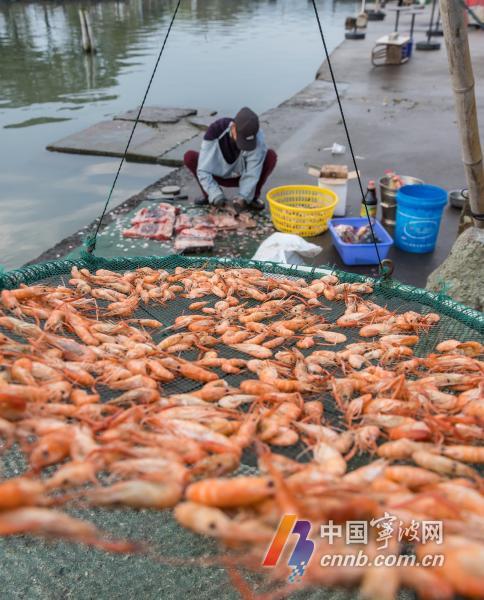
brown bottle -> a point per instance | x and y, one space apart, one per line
370 201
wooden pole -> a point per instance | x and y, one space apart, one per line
460 67
86 44
92 41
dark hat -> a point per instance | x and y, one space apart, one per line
247 126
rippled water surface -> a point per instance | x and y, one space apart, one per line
221 54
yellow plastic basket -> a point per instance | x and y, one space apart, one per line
301 209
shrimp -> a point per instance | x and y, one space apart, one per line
191 371
444 465
268 374
470 348
158 371
213 390
236 400
214 465
207 520
80 327
208 439
401 449
225 493
332 337
136 493
51 523
411 477
313 411
133 382
143 394
52 448
20 491
367 474
253 350
123 308
428 583
72 474
464 497
155 469
329 459
399 340
463 564
7 431
472 454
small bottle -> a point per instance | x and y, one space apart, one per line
370 201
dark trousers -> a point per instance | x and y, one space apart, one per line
191 162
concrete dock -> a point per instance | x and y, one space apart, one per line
159 137
400 118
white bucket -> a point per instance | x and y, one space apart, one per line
341 190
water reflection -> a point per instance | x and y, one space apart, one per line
40 43
221 54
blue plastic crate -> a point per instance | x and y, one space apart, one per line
361 254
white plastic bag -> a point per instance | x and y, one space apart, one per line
286 248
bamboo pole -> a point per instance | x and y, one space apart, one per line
460 67
92 41
86 45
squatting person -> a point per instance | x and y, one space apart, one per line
233 154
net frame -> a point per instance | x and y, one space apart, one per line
159 528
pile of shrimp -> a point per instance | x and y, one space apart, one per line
86 394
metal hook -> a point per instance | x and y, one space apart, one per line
386 268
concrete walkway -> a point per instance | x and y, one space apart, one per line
400 118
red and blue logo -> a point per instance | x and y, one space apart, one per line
303 550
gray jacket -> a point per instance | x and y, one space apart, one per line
248 166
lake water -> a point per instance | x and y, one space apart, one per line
221 54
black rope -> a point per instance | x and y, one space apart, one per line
92 240
382 270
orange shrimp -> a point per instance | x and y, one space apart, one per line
214 465
81 397
225 493
20 492
412 477
137 494
444 465
50 523
213 391
133 382
79 326
155 469
464 558
52 448
124 308
254 350
211 521
472 454
158 371
72 474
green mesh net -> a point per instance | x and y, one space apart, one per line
35 568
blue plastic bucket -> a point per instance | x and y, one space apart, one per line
419 211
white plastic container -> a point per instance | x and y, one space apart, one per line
340 188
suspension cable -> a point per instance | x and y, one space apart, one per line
92 240
330 66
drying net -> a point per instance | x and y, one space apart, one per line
36 568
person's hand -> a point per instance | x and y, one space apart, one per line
218 201
240 204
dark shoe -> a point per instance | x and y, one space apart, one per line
202 201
